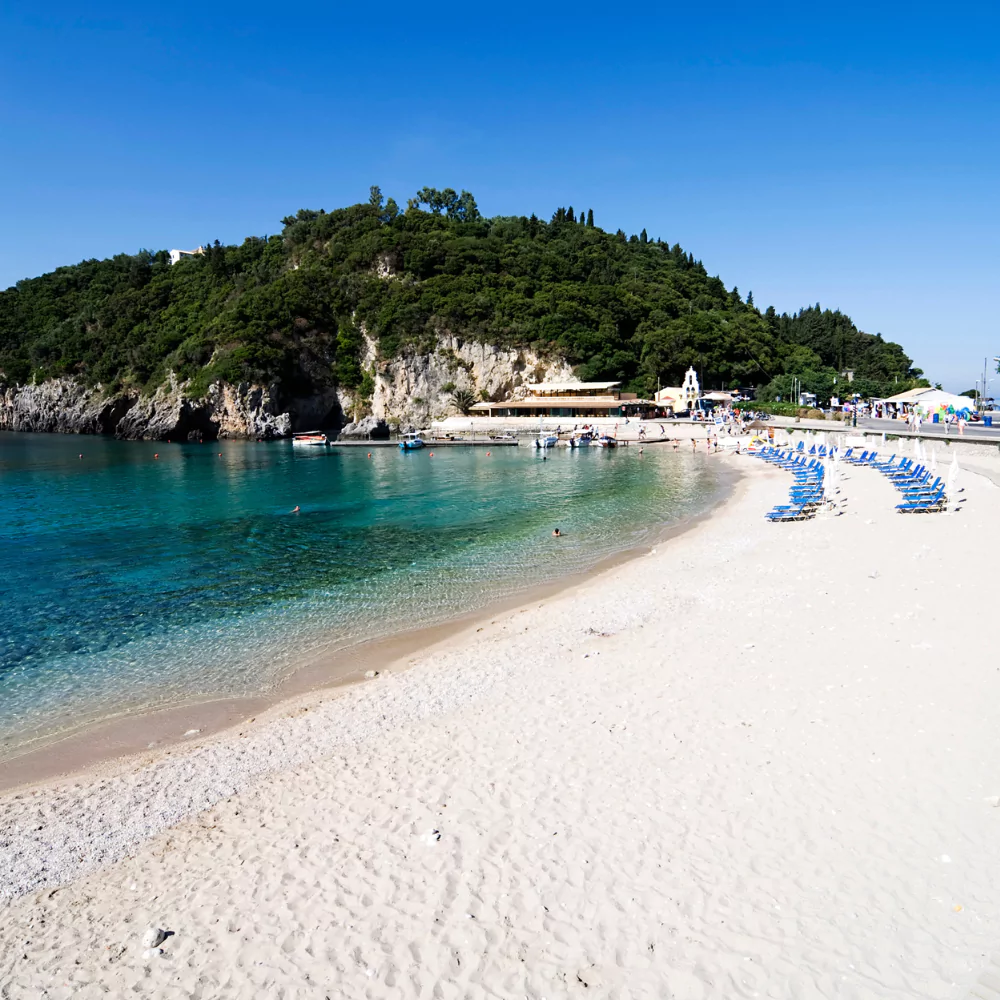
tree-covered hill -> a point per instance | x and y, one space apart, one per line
291 307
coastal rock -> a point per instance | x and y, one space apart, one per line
415 388
226 411
366 427
65 406
61 406
247 411
410 390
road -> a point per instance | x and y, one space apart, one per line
928 429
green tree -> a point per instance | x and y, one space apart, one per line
294 309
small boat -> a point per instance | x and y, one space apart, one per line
411 442
606 442
548 441
313 438
581 440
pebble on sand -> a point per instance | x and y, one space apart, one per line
153 937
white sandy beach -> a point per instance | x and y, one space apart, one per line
762 761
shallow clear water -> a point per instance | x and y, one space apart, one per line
130 582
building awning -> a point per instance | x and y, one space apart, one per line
569 386
561 403
930 398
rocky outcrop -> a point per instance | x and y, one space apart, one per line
227 411
61 406
367 427
66 407
409 391
416 388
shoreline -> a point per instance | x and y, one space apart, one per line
758 760
139 738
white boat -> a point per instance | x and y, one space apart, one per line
310 438
411 442
606 442
581 440
545 440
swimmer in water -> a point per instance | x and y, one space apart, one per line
295 510
557 533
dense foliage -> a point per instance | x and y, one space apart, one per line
291 307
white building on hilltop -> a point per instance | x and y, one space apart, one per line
177 255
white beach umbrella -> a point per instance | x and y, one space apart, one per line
951 487
918 452
933 465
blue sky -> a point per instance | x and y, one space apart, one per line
809 154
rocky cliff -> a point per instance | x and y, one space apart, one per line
410 390
416 388
60 406
66 407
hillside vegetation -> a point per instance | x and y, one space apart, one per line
291 308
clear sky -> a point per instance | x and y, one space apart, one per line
845 154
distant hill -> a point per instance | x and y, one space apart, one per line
293 309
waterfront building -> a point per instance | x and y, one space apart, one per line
570 399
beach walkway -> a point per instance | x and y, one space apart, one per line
760 761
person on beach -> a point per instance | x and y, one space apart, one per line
694 445
676 444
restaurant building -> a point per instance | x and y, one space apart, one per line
570 399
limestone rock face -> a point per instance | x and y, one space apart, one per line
409 391
414 389
60 406
366 427
227 411
66 407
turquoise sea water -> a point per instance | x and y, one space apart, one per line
129 581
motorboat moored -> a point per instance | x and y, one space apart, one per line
316 439
411 442
548 441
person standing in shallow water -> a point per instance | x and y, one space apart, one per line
556 533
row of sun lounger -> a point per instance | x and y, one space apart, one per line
921 492
807 494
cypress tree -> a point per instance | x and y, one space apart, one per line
569 214
643 238
590 217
